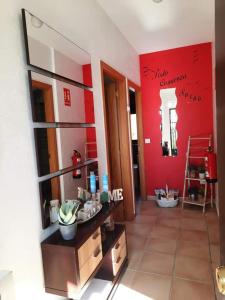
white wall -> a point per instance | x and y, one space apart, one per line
20 229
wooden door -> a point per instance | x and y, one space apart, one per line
118 143
113 135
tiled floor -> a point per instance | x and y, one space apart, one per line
173 254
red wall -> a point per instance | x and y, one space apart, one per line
89 111
189 70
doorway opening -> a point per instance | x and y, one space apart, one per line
137 142
134 144
118 140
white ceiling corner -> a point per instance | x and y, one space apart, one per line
151 27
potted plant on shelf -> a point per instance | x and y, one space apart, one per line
201 192
201 172
67 218
192 170
193 193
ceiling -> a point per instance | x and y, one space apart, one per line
151 27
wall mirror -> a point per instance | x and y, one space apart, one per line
49 50
55 147
169 121
53 100
63 187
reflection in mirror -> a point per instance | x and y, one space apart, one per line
64 187
56 101
51 51
169 121
55 147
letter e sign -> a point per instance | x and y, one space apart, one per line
67 97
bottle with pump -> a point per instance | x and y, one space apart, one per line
92 183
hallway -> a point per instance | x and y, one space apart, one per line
173 254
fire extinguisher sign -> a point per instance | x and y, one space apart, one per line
67 97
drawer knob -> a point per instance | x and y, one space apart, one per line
117 246
119 259
96 254
94 237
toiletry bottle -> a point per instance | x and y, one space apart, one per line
92 183
105 183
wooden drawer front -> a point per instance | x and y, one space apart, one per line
86 250
90 265
117 248
117 264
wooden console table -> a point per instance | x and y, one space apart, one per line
69 266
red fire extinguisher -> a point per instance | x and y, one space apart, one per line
76 159
210 165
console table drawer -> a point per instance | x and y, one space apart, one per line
86 250
120 259
117 248
90 265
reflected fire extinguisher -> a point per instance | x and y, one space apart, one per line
76 159
210 165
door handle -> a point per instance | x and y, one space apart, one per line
220 279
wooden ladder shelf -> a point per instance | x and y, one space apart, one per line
196 151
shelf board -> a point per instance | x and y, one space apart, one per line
200 202
203 181
197 157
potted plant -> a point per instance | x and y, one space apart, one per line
67 218
192 169
201 192
201 172
193 192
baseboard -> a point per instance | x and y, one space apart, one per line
151 197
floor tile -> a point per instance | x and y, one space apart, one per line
193 224
161 245
136 242
191 290
152 286
194 235
155 262
214 235
171 243
127 278
212 218
193 269
170 212
149 211
139 229
134 258
193 249
170 222
164 231
215 253
193 212
145 219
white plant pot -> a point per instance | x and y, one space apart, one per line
68 232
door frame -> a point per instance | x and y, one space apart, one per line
51 132
124 133
141 161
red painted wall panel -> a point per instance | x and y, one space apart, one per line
89 111
189 70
